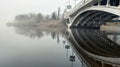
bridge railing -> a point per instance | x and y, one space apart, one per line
75 8
80 6
86 3
80 3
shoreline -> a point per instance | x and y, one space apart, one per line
49 26
115 28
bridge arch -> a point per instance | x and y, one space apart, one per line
109 12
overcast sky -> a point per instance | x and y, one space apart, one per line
25 6
11 8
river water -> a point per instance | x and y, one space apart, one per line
24 47
31 47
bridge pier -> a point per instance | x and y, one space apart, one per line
108 3
119 2
99 3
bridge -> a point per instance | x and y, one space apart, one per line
93 13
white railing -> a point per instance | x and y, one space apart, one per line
78 6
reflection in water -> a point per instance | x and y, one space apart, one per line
70 59
95 48
30 32
36 32
114 37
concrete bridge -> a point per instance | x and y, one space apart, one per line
93 13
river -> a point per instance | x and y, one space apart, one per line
25 47
33 47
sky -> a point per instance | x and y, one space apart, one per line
15 7
25 6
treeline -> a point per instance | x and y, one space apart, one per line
36 18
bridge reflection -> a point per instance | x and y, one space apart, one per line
94 48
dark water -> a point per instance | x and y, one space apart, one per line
31 47
96 48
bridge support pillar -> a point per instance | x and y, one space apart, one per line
108 3
99 3
119 2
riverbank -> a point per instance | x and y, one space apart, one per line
111 27
49 26
52 26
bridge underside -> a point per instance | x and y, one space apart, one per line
93 18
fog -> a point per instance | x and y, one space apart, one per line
11 8
26 6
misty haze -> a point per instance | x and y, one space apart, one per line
59 33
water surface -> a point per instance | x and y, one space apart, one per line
34 47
